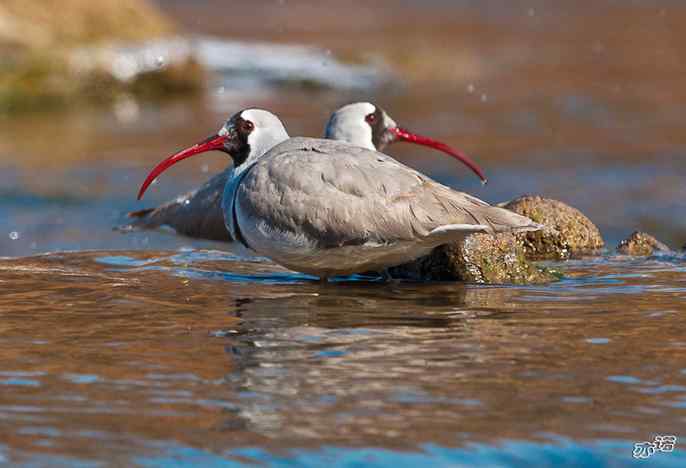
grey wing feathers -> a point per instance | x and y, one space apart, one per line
460 208
338 194
196 214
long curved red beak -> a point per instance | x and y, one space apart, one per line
215 142
410 137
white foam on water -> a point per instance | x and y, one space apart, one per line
237 64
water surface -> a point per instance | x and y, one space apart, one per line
203 356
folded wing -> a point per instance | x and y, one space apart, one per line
336 194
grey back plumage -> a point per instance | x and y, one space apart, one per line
337 194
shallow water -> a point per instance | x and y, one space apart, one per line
203 357
156 350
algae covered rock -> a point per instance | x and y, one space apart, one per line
567 232
480 258
41 42
641 244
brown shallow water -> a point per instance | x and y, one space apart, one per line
155 350
163 357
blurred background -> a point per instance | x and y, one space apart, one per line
579 101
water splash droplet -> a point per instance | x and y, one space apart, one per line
598 340
126 109
14 235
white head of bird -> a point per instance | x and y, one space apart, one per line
368 126
361 124
246 136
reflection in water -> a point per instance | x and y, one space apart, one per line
115 354
447 368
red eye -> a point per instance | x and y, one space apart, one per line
248 126
370 118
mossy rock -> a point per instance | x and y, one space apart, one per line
43 83
567 232
37 38
641 244
480 258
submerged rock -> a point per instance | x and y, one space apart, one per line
641 244
568 232
480 258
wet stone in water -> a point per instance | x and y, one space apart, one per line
480 258
567 232
641 244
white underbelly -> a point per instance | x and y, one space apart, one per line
348 259
300 253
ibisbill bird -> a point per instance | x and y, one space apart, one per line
330 208
199 214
